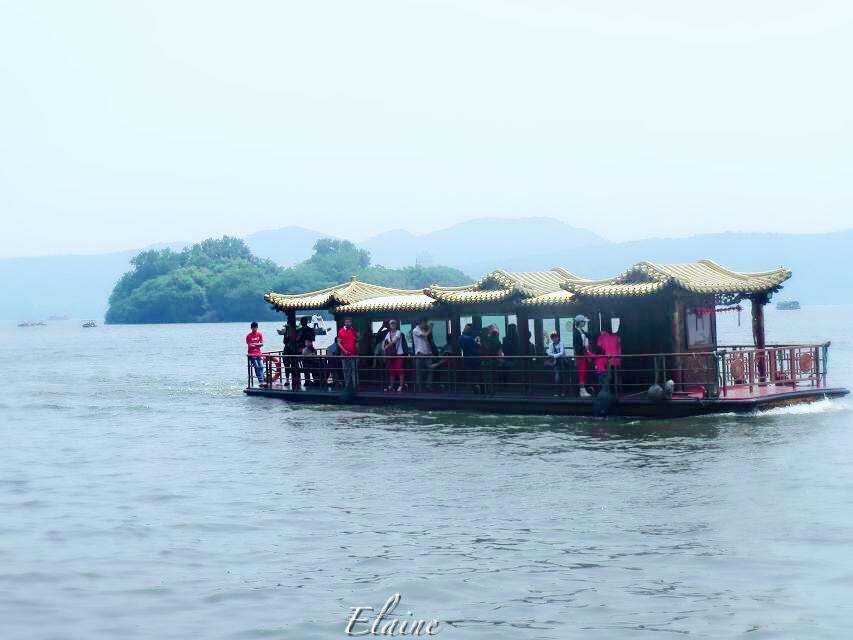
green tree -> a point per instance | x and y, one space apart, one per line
220 280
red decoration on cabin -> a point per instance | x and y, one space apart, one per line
706 311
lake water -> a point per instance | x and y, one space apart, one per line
144 496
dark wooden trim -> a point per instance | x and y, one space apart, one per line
539 335
634 407
522 323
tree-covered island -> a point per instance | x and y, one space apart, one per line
219 280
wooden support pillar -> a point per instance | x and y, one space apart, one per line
477 321
523 326
539 336
758 324
679 343
758 336
364 326
455 329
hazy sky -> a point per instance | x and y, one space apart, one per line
129 123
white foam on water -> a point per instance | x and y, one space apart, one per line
812 408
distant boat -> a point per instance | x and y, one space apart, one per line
788 305
89 324
319 325
31 324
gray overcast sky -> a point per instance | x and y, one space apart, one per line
128 123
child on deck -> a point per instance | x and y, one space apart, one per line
555 356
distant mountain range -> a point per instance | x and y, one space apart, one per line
470 244
819 276
286 246
77 286
463 245
35 288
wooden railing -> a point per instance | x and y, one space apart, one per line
704 374
799 365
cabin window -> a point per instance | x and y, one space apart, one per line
439 332
498 321
548 327
699 327
564 328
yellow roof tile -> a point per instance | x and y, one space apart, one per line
703 277
390 303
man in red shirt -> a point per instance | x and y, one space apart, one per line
348 342
254 341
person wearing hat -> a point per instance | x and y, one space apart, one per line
580 342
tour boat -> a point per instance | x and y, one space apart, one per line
788 305
89 324
647 345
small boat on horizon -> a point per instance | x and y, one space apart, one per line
89 324
31 324
788 304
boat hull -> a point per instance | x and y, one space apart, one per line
626 407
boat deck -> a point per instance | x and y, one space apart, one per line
743 398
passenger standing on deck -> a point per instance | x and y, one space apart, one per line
394 348
378 346
611 346
379 336
348 343
509 345
304 335
291 363
306 332
580 342
333 363
423 349
490 349
470 349
254 342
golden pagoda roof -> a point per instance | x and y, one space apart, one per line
417 301
552 299
704 277
554 287
340 295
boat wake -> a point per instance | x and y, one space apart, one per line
813 408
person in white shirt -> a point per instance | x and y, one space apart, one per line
422 344
556 356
